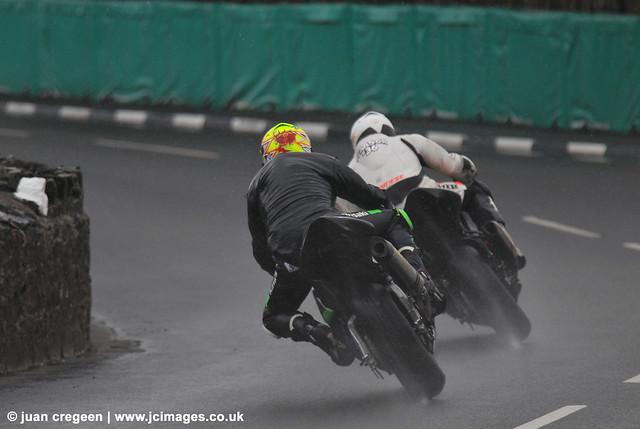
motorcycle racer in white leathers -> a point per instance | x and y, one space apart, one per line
396 164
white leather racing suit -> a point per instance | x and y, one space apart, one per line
395 164
398 160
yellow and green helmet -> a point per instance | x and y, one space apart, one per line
284 138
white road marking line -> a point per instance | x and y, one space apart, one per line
560 227
551 417
132 117
586 149
450 141
75 113
635 379
514 145
155 148
8 132
248 125
194 122
315 130
20 109
632 246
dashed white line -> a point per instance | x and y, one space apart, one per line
632 246
585 148
514 145
450 141
587 151
248 125
315 130
155 148
20 109
192 122
560 227
635 379
74 113
551 417
131 117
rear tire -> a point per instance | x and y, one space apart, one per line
394 342
495 306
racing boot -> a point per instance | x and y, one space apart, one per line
503 246
437 301
428 294
430 303
305 328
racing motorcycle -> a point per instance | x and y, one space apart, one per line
358 282
475 269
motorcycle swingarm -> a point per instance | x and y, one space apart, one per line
408 308
412 314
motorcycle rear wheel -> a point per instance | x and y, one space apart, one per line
494 305
395 343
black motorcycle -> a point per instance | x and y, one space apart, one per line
475 269
359 281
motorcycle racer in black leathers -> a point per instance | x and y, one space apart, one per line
292 189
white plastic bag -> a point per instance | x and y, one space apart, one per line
33 189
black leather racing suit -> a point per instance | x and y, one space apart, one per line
284 198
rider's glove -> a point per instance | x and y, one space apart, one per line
381 195
468 170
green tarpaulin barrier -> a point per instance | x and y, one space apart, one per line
538 68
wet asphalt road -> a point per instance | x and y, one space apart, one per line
175 282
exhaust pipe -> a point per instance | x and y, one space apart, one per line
395 265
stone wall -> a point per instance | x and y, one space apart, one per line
45 286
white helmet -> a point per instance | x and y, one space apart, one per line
371 123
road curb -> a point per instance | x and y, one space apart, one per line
318 131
